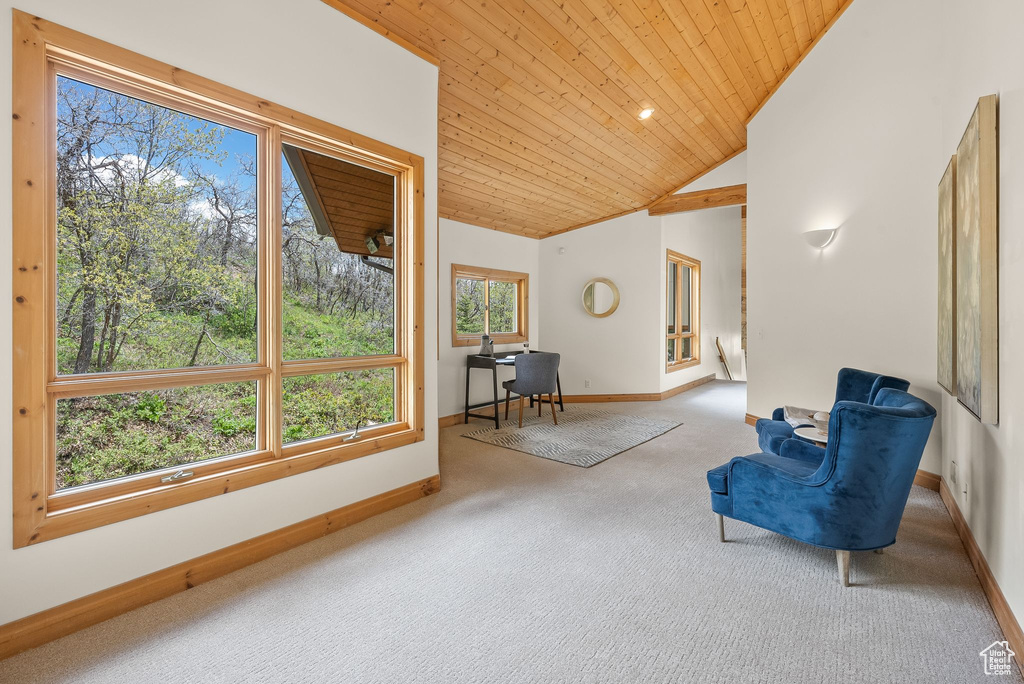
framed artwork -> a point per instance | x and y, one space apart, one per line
977 283
946 372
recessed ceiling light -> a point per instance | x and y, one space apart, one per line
645 113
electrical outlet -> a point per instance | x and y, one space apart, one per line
586 383
952 472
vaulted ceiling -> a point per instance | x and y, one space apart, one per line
539 99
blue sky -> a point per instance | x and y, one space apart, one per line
236 143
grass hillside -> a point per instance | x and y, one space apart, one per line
99 438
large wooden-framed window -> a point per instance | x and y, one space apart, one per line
682 311
489 301
152 206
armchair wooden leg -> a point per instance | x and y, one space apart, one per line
554 413
879 551
520 410
843 561
508 393
721 527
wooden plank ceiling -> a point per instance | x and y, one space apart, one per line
539 99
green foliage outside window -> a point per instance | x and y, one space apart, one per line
469 306
475 297
156 269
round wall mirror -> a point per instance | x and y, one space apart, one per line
600 297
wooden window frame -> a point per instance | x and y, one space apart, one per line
675 260
487 275
42 50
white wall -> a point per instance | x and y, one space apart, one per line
850 139
621 353
263 47
713 237
625 353
982 53
859 135
732 172
474 246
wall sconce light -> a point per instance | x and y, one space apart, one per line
820 239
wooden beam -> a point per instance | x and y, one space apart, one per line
701 199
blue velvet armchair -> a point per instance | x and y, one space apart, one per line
848 496
851 385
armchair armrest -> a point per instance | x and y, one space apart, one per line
771 466
779 414
801 450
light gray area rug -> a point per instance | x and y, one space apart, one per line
522 570
583 437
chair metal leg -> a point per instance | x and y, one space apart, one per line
508 393
843 561
540 404
721 527
497 424
554 413
520 410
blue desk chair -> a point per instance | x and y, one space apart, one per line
852 385
536 374
848 496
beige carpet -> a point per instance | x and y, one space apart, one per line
527 570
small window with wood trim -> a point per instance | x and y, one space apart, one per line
682 315
487 301
212 291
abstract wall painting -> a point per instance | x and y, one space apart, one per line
946 373
976 253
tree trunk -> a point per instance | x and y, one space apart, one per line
88 341
112 345
103 340
199 343
65 319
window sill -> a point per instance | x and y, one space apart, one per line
671 368
496 339
77 511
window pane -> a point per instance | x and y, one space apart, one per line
156 236
670 348
338 232
684 321
469 306
110 436
671 298
685 348
330 403
502 300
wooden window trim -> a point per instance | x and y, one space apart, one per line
41 50
676 260
487 275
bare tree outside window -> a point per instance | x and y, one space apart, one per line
157 231
156 251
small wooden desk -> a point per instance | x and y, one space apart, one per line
491 363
